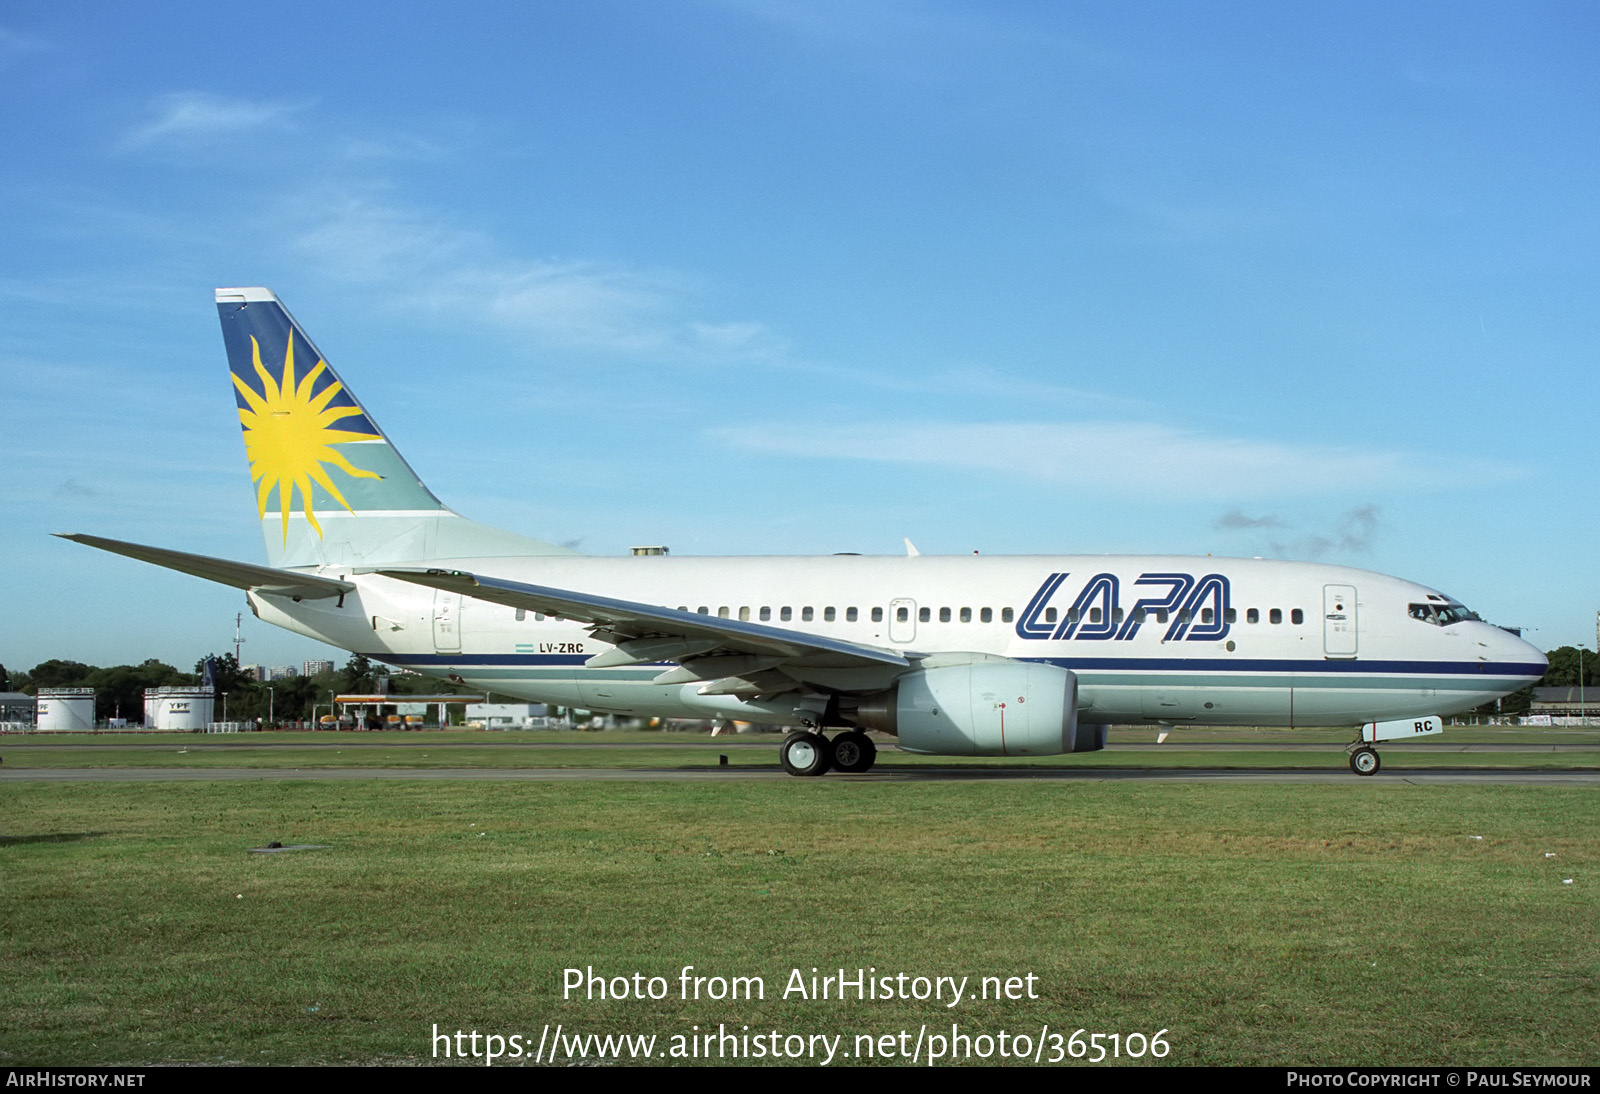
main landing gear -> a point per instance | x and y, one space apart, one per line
806 752
1364 761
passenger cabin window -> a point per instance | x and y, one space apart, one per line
806 615
944 615
1297 616
1207 615
1049 615
924 615
703 610
986 615
522 613
966 615
901 614
1005 615
744 614
877 614
849 615
1231 615
1275 616
766 613
722 612
786 613
1253 615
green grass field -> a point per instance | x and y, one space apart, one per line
1367 922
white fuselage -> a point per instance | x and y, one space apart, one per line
1151 639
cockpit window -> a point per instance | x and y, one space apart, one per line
1443 615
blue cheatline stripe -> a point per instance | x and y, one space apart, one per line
1188 665
508 659
1346 668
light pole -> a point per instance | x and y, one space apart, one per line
271 695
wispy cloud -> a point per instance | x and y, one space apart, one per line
927 43
197 117
440 267
15 46
1235 519
1354 532
975 382
1134 458
72 488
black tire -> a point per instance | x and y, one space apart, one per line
1364 761
805 753
854 752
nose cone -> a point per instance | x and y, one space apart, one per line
1521 659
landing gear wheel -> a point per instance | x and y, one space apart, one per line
805 753
1364 761
854 752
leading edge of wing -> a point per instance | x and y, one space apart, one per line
645 620
241 575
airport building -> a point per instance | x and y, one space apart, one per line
17 711
508 715
1564 706
380 709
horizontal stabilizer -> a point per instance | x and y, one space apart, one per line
625 620
241 575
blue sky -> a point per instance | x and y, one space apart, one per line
1311 281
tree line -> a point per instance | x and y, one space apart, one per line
1561 673
119 689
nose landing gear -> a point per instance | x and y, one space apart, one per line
1364 761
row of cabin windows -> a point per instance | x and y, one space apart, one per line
1141 615
985 615
851 615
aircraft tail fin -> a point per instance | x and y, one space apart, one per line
331 489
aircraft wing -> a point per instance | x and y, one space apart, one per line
645 633
241 575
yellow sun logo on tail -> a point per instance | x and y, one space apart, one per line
289 435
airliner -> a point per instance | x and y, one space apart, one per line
965 655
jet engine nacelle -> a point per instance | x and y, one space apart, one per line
1004 708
